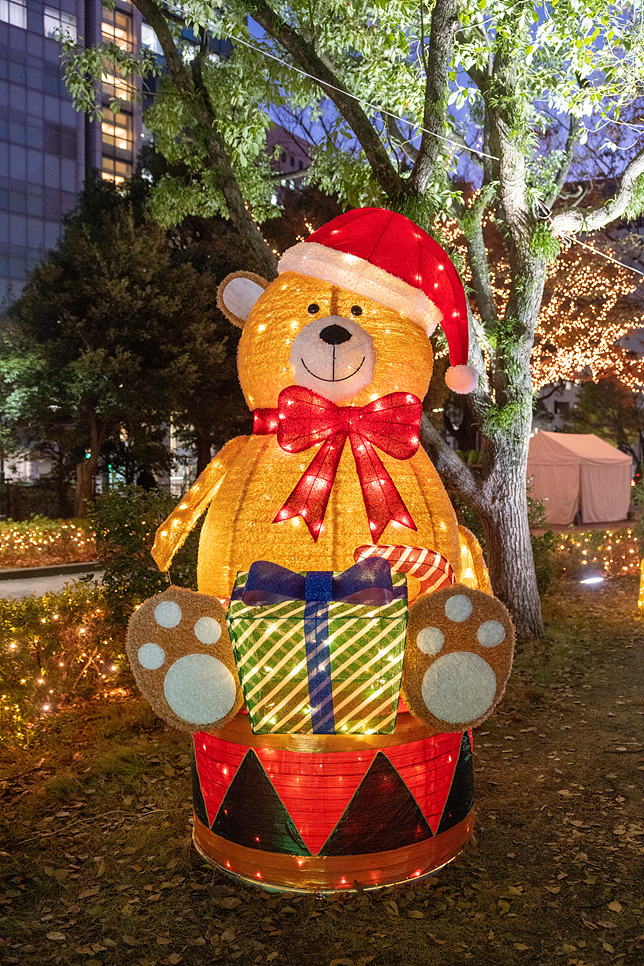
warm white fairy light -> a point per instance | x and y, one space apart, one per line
585 313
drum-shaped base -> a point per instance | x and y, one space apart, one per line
343 873
332 813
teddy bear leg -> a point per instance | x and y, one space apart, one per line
458 657
182 659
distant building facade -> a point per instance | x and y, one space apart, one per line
46 147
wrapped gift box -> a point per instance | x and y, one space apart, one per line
315 659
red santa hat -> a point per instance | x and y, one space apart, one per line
386 257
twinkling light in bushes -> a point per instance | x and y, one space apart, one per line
54 650
41 541
616 551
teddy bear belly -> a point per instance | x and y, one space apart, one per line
240 527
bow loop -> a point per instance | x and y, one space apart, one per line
366 582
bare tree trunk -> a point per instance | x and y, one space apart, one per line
500 500
85 471
84 486
508 549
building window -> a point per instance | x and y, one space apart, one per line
116 27
117 88
58 20
59 139
116 171
149 39
117 134
561 407
14 12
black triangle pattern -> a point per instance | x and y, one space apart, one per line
198 802
461 794
382 814
252 813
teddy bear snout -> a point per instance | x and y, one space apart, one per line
334 356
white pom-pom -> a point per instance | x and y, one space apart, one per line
462 379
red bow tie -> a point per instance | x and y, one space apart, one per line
304 418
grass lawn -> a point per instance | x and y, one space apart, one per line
97 867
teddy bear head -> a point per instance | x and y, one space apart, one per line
350 314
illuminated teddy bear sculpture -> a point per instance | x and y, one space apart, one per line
331 733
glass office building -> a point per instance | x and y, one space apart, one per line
46 147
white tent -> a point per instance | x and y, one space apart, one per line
572 471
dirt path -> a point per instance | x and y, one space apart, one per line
97 866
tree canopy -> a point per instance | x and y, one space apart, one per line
406 100
102 342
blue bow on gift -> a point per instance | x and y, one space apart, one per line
367 582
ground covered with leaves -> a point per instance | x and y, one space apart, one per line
97 867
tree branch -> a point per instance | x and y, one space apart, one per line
589 219
194 92
441 38
569 154
307 59
450 466
396 136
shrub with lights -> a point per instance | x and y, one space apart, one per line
331 706
54 650
39 542
67 646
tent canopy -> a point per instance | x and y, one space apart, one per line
572 471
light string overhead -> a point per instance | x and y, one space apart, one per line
360 100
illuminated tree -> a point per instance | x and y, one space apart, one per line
589 305
405 90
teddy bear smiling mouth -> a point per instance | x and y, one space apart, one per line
333 379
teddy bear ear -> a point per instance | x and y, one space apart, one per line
237 295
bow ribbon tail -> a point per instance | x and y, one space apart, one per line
382 500
310 496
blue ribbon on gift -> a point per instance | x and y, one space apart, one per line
368 582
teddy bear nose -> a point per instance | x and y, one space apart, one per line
334 335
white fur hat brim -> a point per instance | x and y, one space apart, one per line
360 276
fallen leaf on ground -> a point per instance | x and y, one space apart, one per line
90 892
416 914
615 906
230 902
56 935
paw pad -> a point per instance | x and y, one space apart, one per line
182 659
458 657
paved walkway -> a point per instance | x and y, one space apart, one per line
39 585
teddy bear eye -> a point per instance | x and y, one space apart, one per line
313 308
356 310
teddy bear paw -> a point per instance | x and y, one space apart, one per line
182 659
458 657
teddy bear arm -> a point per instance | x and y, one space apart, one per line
172 534
474 572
